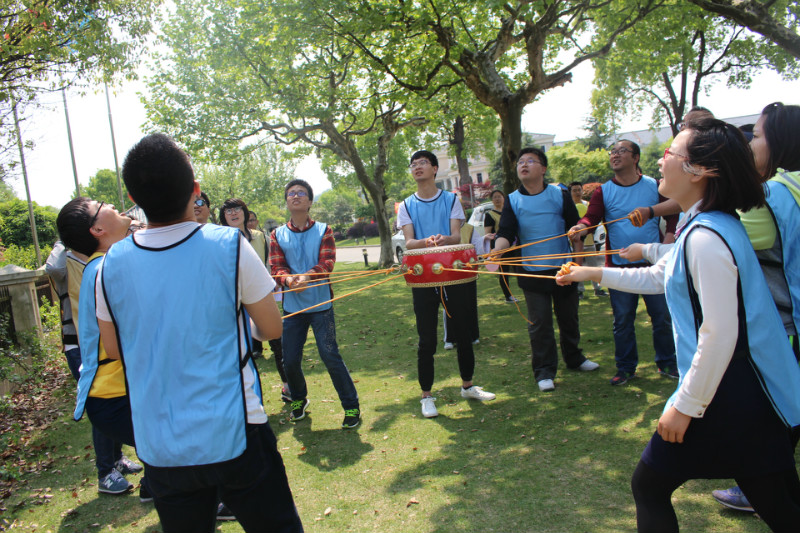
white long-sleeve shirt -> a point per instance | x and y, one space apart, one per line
714 277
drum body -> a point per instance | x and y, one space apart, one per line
425 265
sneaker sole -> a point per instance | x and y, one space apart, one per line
622 381
115 493
345 426
226 518
145 500
735 507
666 375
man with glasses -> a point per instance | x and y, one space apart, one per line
89 228
299 251
615 199
202 208
433 217
534 212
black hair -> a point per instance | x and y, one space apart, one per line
159 177
74 223
491 195
725 157
535 151
635 150
693 115
235 202
782 133
302 183
574 183
204 196
430 156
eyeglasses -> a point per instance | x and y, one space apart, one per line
619 151
681 126
200 202
523 162
420 163
668 152
94 218
299 194
232 210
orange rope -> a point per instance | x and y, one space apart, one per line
342 296
343 278
500 273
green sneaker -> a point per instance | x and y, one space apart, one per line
352 418
299 410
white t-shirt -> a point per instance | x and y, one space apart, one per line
254 284
403 219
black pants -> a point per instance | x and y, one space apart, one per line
460 302
775 497
253 486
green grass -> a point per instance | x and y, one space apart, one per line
525 462
351 242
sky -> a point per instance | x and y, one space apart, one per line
562 111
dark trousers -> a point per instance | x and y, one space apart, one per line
775 497
111 421
541 306
460 302
474 330
253 486
277 352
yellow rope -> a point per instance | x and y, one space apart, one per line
348 278
343 296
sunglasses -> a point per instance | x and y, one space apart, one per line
200 202
299 194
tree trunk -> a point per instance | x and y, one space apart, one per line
458 142
510 145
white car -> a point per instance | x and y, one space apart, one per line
476 220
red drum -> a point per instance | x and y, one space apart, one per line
425 265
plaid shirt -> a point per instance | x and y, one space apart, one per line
277 259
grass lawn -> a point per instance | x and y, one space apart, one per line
352 242
526 461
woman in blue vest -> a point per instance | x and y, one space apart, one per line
737 396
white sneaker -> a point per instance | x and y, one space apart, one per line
546 385
428 407
476 341
477 393
588 366
449 346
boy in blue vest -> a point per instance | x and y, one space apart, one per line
195 395
433 217
299 251
534 212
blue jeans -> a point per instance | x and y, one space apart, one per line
624 305
295 333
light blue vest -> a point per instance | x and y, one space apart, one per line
430 217
619 201
769 351
302 253
176 315
786 214
540 216
89 335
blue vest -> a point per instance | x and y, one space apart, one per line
178 324
89 335
540 216
302 253
786 214
430 217
619 201
768 348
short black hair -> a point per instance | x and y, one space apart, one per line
574 183
302 183
782 132
633 146
535 151
430 156
723 152
204 196
159 177
74 225
491 195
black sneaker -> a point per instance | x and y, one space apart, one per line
224 514
299 410
352 418
285 396
144 493
669 372
622 378
600 292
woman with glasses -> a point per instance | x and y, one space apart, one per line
737 395
234 213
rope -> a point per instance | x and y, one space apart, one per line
343 278
342 296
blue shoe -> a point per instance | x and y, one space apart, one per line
125 466
114 483
733 498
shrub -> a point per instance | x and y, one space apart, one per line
23 256
338 236
371 230
356 231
